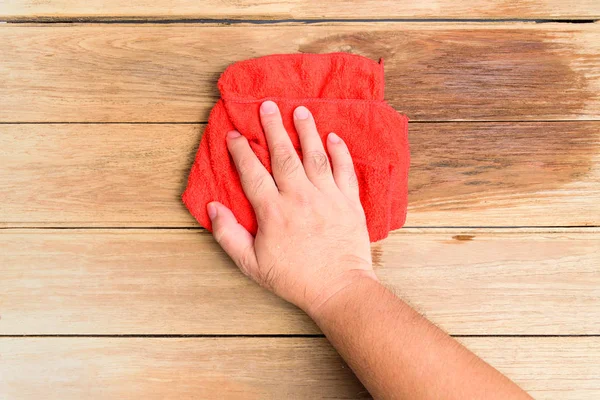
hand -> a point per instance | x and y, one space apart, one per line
312 238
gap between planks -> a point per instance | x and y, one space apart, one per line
269 336
430 229
228 21
202 123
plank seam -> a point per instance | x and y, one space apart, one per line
273 336
199 229
412 121
229 21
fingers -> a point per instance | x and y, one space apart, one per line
256 180
314 157
285 163
343 168
237 242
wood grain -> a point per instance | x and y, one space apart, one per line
475 174
168 73
259 9
259 368
492 282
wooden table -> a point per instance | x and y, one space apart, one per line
109 289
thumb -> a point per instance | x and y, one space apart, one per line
237 242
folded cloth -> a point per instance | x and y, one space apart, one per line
344 93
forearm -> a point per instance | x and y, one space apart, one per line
398 354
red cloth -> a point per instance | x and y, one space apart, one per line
344 92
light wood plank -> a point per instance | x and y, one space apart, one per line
259 368
259 9
168 73
179 282
476 174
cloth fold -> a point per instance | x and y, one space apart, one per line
344 93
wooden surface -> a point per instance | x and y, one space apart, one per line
475 174
258 368
109 289
470 282
168 72
299 9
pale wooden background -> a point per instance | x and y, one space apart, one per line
109 289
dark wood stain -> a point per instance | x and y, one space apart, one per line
502 73
468 163
497 74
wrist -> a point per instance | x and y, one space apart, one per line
343 286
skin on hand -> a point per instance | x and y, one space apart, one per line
312 239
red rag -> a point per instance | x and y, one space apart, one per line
344 92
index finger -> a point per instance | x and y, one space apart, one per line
288 170
256 180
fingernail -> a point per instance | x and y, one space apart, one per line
333 138
268 107
301 112
212 211
233 134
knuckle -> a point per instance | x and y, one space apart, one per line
290 166
259 185
302 198
280 150
285 160
247 181
245 166
318 161
346 169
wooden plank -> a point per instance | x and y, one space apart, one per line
259 368
168 73
298 9
476 174
492 282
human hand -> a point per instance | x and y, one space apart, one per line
312 239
